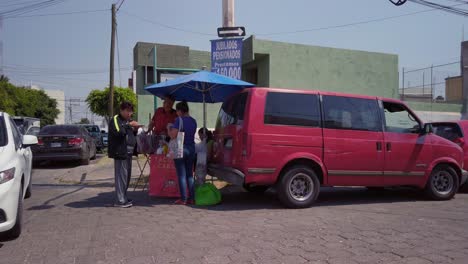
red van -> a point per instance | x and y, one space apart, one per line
299 141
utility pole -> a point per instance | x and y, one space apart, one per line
111 70
228 13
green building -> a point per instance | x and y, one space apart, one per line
279 65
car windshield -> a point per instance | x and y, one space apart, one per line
60 130
3 132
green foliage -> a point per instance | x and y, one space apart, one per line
19 101
98 100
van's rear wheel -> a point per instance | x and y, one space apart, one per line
299 187
443 183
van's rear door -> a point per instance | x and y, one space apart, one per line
227 149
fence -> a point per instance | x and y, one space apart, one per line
430 83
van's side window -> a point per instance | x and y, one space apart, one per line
232 111
292 109
351 113
399 120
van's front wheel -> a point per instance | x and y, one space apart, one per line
298 187
443 183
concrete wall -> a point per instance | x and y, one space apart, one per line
311 67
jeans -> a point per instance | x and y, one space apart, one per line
184 168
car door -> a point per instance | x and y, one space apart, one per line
408 153
353 141
23 155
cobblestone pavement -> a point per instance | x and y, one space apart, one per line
76 224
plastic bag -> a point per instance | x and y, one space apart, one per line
207 194
145 143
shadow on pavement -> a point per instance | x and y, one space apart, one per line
63 164
46 205
234 199
106 199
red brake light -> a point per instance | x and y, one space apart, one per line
75 141
40 142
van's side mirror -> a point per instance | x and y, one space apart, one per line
427 129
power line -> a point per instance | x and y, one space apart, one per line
450 9
350 24
60 14
30 8
166 26
121 3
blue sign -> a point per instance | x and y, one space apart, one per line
226 57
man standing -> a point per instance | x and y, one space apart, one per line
121 144
162 117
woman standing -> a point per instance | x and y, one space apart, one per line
184 166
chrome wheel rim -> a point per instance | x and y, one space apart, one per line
442 182
301 187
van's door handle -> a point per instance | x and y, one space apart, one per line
389 146
379 146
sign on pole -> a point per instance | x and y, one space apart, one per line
226 57
224 32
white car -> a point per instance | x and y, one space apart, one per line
15 175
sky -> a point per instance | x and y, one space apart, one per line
71 51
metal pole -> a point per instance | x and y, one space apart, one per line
228 13
424 85
403 83
111 70
432 87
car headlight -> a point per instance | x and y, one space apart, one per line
7 175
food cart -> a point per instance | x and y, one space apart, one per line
200 87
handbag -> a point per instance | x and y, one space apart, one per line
176 145
207 194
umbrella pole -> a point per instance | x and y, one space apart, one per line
204 111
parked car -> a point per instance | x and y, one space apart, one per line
15 175
95 132
299 141
455 131
64 142
105 138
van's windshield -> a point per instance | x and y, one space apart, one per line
232 111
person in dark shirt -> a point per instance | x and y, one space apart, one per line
184 166
121 144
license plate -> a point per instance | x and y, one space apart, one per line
55 145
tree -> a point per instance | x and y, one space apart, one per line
98 100
84 121
19 101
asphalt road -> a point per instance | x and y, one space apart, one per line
71 220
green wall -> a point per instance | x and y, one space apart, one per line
311 67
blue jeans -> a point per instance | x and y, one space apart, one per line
184 168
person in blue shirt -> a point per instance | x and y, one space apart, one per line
184 166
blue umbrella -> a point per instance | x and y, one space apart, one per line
200 87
